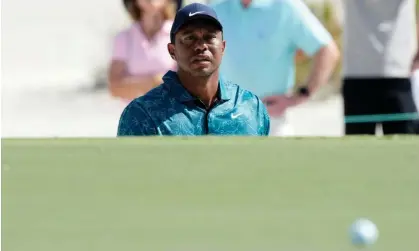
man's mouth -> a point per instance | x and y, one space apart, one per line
201 59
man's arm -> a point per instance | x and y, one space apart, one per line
324 62
309 34
135 121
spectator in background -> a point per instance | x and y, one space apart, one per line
379 47
263 37
140 56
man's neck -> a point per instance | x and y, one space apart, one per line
204 88
246 3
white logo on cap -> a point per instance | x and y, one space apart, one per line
193 14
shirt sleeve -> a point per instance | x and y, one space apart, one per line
264 119
267 124
306 30
135 121
120 48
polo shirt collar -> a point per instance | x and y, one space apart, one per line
176 89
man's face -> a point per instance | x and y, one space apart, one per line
198 48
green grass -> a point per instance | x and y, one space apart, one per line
208 194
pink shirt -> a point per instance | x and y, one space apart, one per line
142 56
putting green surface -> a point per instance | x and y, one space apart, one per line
208 194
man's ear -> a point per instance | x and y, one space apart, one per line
224 46
171 50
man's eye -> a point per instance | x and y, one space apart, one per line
210 36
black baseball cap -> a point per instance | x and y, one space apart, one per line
191 12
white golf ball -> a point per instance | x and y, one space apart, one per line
363 232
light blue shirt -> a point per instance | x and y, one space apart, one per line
171 110
262 40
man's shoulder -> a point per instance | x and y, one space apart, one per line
241 94
154 99
251 102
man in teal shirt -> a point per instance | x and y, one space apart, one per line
195 100
264 37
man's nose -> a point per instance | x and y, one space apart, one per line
201 45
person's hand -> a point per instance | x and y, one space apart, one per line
278 104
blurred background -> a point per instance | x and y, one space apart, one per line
55 61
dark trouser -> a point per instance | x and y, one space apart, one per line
374 96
